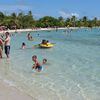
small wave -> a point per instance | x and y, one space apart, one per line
10 83
83 92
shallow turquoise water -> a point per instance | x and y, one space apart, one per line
72 71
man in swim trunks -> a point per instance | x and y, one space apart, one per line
7 44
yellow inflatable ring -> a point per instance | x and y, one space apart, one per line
46 45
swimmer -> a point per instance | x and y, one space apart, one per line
23 45
44 61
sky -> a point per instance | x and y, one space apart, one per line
55 8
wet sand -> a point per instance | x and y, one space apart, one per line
11 93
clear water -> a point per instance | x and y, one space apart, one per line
72 71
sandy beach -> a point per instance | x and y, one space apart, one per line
11 93
26 30
37 29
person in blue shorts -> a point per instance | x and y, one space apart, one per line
37 66
7 44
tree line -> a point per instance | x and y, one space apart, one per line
22 21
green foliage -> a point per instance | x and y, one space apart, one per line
22 20
48 21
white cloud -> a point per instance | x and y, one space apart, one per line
66 15
75 14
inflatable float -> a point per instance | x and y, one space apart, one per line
49 45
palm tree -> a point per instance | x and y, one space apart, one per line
61 21
73 20
85 21
14 20
94 21
1 18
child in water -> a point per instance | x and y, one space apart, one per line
37 66
44 61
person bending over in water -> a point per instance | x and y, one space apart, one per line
37 66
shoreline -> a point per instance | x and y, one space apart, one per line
42 29
8 92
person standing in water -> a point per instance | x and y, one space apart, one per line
7 44
29 36
1 47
